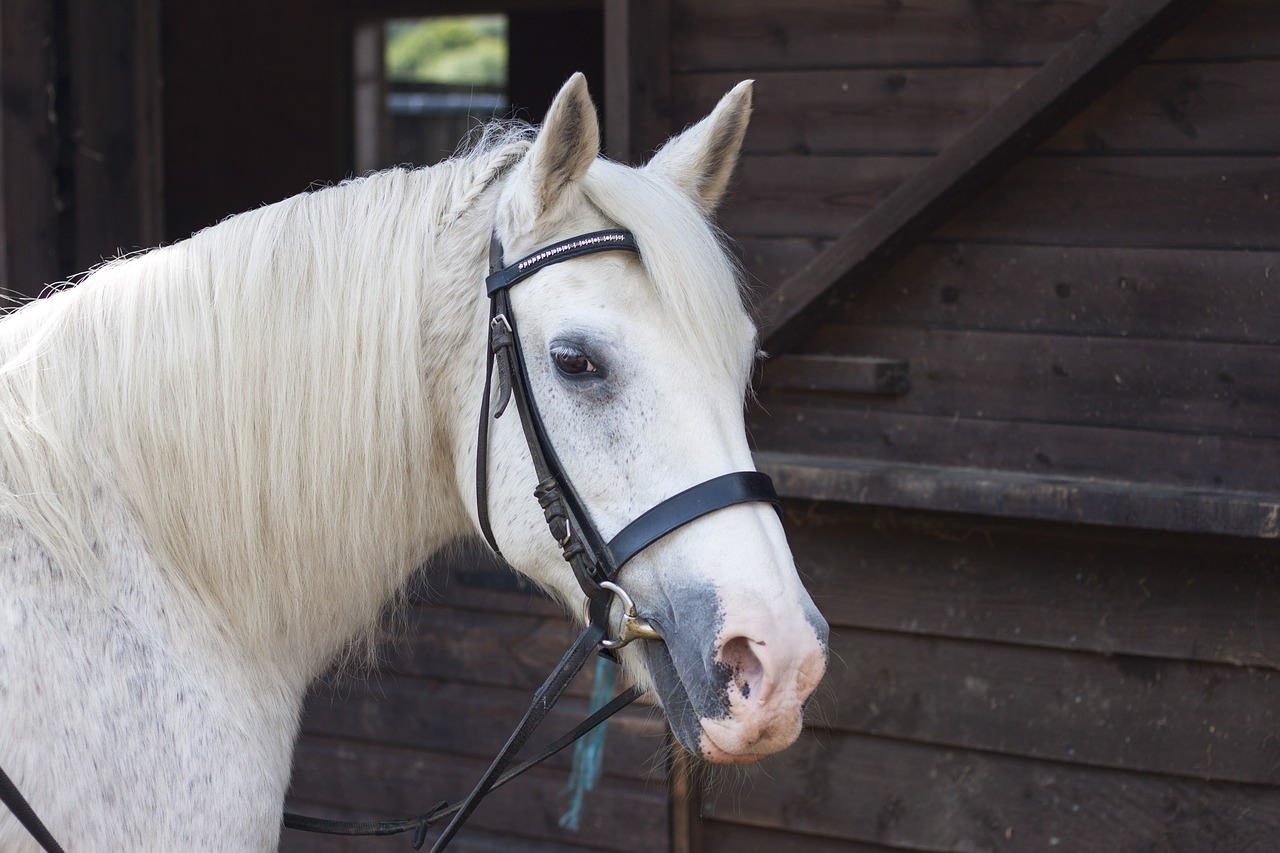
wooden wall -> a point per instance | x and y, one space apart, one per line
1105 313
80 137
1094 338
1007 685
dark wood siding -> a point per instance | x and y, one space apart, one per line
1106 313
1093 338
1005 685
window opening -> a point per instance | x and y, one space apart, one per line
423 84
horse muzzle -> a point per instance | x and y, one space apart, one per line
740 696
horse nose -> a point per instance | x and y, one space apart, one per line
767 677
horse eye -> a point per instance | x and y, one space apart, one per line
572 361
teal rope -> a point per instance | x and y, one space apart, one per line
588 753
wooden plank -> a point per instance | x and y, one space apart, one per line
366 779
474 721
1111 591
812 197
115 105
1173 202
468 576
841 374
726 837
687 778
503 650
1170 202
926 798
637 78
1204 108
1201 721
1182 107
1229 30
859 429
31 245
859 111
1091 62
757 35
1020 495
1163 293
1213 389
751 36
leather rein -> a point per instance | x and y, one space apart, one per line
595 561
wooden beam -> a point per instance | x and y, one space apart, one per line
116 133
1088 65
1018 494
839 374
637 62
30 253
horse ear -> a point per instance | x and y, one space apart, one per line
701 159
566 145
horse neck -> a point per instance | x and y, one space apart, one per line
276 404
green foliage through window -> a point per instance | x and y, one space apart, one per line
454 50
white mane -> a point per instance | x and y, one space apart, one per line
282 356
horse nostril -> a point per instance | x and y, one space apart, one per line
743 668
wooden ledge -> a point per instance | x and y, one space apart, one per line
1115 503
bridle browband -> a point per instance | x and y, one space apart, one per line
595 562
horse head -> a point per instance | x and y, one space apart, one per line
639 363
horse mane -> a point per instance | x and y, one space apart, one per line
285 347
279 352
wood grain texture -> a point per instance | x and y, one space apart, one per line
1173 596
751 36
1174 107
1168 202
860 429
32 251
1200 721
1021 495
1171 294
758 35
474 721
1216 389
919 797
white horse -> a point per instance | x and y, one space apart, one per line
221 459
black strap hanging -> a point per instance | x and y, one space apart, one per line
13 799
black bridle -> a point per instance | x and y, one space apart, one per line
595 561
